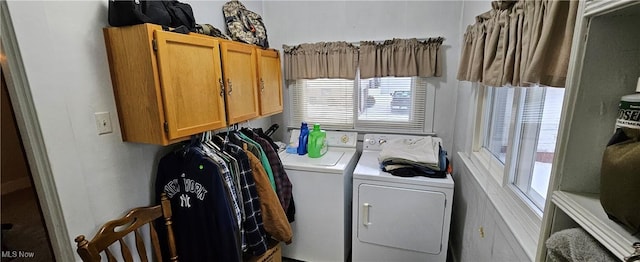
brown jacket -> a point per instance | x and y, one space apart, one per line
273 216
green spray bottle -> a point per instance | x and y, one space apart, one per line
317 145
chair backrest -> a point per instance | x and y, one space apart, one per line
90 251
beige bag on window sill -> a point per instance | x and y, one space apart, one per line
620 178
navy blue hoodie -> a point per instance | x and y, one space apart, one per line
203 223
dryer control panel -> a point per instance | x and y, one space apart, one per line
374 142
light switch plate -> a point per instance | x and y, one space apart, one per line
103 123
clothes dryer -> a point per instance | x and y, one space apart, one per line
322 194
398 218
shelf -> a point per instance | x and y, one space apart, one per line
586 210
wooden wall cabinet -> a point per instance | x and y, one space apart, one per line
269 82
604 65
240 74
169 86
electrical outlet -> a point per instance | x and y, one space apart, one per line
103 122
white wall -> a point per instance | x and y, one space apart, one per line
97 177
296 22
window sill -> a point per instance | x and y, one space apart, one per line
523 222
374 131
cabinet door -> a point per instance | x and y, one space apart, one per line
190 75
270 82
239 69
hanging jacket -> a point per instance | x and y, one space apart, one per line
283 184
262 156
273 216
203 223
253 227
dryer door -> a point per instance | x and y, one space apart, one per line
403 218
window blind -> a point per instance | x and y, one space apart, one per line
328 102
400 104
376 104
498 119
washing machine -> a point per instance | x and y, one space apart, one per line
398 218
322 195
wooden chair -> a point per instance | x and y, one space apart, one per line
90 251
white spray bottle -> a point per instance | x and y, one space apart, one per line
629 110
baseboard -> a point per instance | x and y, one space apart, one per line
15 185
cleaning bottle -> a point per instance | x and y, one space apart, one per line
629 110
317 146
303 138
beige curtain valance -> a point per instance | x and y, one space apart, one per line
320 60
397 57
519 43
401 58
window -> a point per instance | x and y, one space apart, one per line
375 104
498 120
518 131
329 102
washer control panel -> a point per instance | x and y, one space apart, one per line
342 139
334 138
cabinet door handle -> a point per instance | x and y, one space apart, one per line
221 86
365 214
261 85
230 87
